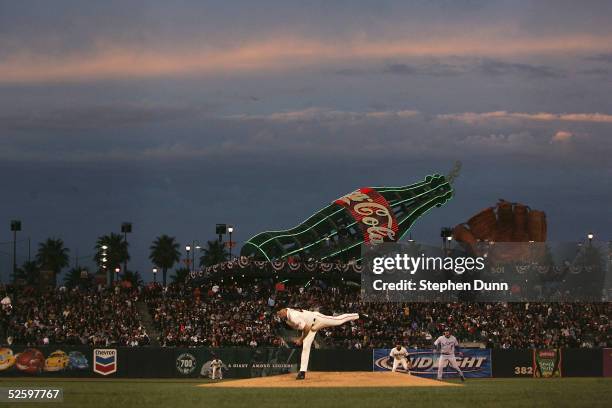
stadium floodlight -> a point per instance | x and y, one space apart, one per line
230 229
15 227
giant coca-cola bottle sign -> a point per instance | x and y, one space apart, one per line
373 215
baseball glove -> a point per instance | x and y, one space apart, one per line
506 222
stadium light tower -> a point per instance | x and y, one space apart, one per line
230 229
188 250
15 227
126 228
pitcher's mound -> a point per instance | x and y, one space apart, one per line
334 379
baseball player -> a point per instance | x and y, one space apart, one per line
216 364
446 345
309 323
400 357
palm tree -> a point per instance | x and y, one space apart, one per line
133 277
53 256
116 251
29 273
165 253
214 253
75 278
180 275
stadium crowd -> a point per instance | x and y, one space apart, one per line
97 317
242 314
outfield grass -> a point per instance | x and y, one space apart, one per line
565 392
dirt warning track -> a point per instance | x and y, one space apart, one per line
334 379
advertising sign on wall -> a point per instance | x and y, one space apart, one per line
62 361
235 362
547 363
607 362
475 363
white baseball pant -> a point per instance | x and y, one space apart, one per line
397 362
321 321
442 362
216 370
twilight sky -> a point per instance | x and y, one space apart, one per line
178 115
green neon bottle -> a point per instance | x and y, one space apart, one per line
370 215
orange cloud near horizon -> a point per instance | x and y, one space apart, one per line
276 55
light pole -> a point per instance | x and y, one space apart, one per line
188 250
104 260
230 229
154 275
126 228
15 226
590 237
192 248
447 236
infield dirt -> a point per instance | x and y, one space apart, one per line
334 379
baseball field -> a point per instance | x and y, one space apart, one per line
317 392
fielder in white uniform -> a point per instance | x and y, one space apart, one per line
216 364
309 323
446 344
400 357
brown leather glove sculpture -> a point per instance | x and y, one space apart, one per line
506 222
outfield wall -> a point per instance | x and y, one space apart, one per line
151 362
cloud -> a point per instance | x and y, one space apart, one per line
493 67
108 60
475 118
437 69
98 117
601 57
313 135
596 71
562 136
322 115
458 66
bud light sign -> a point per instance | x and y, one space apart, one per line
475 363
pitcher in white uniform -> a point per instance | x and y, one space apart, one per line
309 323
446 344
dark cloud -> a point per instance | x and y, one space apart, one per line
433 69
486 67
601 57
97 117
436 69
494 67
604 72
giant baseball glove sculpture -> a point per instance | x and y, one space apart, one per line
506 222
